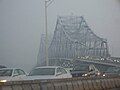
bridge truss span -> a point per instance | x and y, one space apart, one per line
73 38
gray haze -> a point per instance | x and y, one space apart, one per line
22 23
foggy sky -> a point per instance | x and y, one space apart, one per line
22 23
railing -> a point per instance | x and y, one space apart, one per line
88 83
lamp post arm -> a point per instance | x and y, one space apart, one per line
47 3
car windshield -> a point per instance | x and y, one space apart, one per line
102 68
113 70
42 71
6 72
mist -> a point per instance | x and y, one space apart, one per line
22 23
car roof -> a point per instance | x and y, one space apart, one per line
47 67
8 68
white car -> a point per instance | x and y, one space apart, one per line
48 72
11 74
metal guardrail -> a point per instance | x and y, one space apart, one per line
88 83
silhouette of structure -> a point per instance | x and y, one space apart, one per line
72 39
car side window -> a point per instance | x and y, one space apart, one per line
21 72
58 70
16 72
63 71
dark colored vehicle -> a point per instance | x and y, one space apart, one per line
112 71
1 66
84 70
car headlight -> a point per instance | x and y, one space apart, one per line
3 80
84 75
104 75
98 73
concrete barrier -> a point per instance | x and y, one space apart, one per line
75 85
88 83
85 85
34 86
113 82
6 88
80 85
69 85
97 84
116 82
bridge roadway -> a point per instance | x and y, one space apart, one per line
104 62
79 83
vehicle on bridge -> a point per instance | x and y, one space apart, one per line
85 70
11 74
48 72
79 67
112 71
1 66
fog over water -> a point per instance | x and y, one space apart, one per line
22 23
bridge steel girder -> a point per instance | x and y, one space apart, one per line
73 38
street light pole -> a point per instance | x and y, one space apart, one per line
47 3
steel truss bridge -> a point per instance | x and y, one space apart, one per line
73 39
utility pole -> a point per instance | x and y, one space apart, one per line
47 3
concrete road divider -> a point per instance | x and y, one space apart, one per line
69 85
75 85
116 82
81 83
